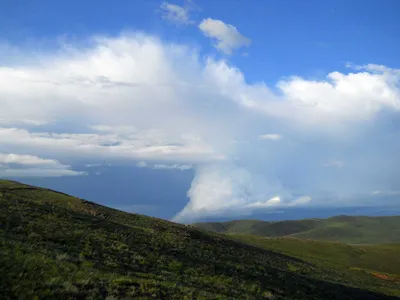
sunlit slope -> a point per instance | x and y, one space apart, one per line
352 261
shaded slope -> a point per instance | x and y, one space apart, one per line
56 246
347 229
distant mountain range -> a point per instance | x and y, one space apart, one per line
346 229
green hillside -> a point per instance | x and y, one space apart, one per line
53 246
345 229
378 260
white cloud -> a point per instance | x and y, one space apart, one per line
16 165
230 189
130 98
175 14
301 201
340 97
270 136
347 96
385 193
145 144
274 201
11 158
233 190
227 36
142 164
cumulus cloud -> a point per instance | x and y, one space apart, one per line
130 98
231 189
16 165
227 37
348 96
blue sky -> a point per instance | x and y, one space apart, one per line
208 109
289 37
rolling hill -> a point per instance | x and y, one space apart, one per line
378 260
345 229
54 246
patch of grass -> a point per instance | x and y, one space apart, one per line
353 262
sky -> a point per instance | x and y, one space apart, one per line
205 110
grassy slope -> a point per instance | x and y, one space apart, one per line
381 261
346 229
58 247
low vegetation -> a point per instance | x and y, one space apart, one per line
54 246
352 261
